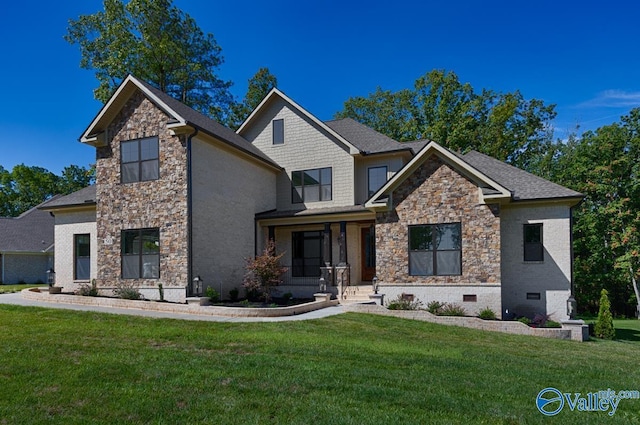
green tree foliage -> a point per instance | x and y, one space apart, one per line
25 187
259 86
441 108
156 42
604 324
605 166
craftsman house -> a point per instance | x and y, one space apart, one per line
177 196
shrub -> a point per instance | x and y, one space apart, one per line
452 309
88 291
552 324
234 294
604 324
212 294
525 320
287 296
264 272
434 307
403 303
540 320
127 291
487 314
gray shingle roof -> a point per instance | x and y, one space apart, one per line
82 197
210 126
417 145
365 139
32 231
313 211
523 185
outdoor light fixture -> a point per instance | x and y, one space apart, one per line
51 277
197 286
374 283
572 306
323 285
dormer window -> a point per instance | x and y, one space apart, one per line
139 160
278 132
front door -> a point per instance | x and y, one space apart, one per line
368 253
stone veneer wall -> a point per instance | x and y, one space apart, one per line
161 203
436 193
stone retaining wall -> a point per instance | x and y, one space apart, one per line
572 331
44 296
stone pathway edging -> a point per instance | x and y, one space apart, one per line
44 296
570 332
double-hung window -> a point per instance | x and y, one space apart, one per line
311 185
139 160
377 177
533 248
141 254
435 250
82 254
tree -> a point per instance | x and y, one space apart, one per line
441 108
604 324
259 86
25 187
264 272
156 42
604 165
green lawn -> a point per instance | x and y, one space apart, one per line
64 367
7 289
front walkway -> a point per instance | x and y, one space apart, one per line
18 299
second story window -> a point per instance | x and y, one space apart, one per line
311 185
278 132
139 160
377 177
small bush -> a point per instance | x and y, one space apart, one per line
88 290
525 320
264 272
127 291
452 309
604 324
403 303
552 324
212 294
287 296
434 307
234 294
487 314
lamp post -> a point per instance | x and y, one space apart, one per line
197 286
374 283
572 305
323 285
51 277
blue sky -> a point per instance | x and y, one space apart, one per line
582 56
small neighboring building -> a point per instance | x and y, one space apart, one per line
26 247
178 195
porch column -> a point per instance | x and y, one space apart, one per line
343 243
326 245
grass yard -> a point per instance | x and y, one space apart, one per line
8 289
64 367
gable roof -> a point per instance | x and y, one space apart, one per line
524 186
367 140
183 116
491 189
80 198
275 93
32 231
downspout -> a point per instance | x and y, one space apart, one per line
2 258
190 213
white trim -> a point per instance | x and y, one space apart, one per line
89 135
448 156
275 92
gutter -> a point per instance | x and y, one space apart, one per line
190 212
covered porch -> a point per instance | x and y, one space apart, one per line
328 249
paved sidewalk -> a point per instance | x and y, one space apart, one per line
16 299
